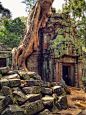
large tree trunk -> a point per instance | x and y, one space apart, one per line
38 16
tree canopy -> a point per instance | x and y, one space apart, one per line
12 33
29 4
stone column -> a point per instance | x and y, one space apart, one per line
57 71
61 70
80 74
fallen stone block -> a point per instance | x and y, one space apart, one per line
34 82
4 70
6 90
2 97
20 97
63 84
34 75
33 97
32 90
27 75
14 82
13 110
16 89
23 75
62 103
13 76
45 112
8 100
4 82
57 90
33 107
46 91
10 73
48 101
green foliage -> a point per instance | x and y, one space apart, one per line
29 4
4 12
77 8
60 44
12 33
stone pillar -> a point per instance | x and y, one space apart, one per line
76 76
61 70
80 75
57 72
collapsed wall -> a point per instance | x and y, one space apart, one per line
25 93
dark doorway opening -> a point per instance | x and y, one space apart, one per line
67 74
2 62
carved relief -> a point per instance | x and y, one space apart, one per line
68 60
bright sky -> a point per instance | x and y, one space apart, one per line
18 9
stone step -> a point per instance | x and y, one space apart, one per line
33 107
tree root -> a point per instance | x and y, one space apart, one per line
30 41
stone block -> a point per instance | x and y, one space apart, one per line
62 103
62 83
13 76
4 82
32 90
33 107
13 110
23 75
45 112
33 97
8 100
34 82
57 90
4 70
20 97
28 75
16 89
14 82
46 91
6 90
2 97
48 101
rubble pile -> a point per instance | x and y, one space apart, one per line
24 93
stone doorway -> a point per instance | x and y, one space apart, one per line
68 74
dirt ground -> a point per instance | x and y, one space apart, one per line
76 102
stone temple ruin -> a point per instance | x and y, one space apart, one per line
42 91
65 60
